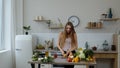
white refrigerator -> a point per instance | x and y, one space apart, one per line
23 50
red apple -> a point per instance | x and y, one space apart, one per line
69 59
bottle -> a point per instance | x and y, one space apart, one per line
110 13
105 46
86 45
46 53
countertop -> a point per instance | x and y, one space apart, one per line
97 51
101 51
62 61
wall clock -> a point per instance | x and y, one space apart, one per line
75 20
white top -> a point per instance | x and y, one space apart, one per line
67 44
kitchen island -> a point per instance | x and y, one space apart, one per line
62 61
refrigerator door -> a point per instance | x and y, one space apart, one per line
23 50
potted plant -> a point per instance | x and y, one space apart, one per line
26 28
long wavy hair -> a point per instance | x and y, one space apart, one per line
65 35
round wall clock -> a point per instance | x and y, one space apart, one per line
75 20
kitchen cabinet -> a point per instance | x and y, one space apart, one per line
113 55
46 66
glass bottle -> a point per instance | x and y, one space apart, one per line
86 45
105 46
46 53
110 13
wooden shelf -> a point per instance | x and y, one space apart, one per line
93 28
55 27
110 19
49 24
42 21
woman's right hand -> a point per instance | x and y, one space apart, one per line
63 53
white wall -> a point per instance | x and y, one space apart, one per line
87 11
93 39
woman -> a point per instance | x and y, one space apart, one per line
67 41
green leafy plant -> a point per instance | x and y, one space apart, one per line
88 52
26 28
35 56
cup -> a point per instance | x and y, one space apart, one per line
40 17
37 18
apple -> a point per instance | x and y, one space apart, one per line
69 59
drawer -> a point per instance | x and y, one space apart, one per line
80 66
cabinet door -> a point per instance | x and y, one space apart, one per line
80 66
46 66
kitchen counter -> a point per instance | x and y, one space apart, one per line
101 51
112 55
62 61
99 54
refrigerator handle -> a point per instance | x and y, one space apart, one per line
18 49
